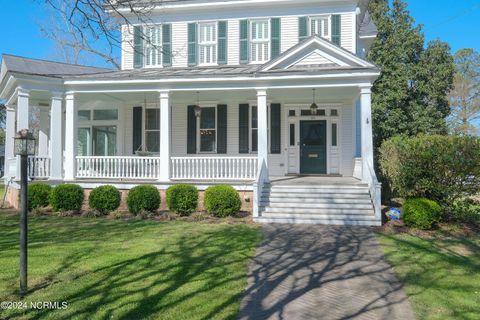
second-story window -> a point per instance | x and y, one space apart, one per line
260 41
207 43
320 26
153 42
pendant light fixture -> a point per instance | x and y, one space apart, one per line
198 109
313 107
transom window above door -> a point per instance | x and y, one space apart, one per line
260 41
321 26
207 43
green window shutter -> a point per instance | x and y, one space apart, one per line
302 28
192 44
275 126
191 131
244 42
243 128
275 37
137 128
336 29
137 47
222 129
222 42
167 45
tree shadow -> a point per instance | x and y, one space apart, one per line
322 272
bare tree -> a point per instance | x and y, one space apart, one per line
92 27
465 97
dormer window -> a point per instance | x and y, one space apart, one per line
260 41
320 26
207 43
153 42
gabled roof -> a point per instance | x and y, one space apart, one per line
39 67
316 52
367 27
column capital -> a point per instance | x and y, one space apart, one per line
164 94
261 92
70 96
57 95
21 92
366 89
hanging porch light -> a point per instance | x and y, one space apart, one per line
313 106
198 109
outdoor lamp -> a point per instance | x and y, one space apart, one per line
313 107
198 109
24 143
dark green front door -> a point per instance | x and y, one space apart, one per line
313 147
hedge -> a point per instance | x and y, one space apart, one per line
182 199
38 194
421 213
143 198
105 199
222 201
66 197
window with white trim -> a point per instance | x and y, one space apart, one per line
259 41
153 42
320 26
207 43
254 129
152 130
208 129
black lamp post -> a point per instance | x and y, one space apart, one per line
24 147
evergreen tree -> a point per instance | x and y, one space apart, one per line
411 95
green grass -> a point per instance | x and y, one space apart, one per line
441 277
128 269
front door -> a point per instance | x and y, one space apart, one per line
313 147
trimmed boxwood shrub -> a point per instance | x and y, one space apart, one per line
105 199
67 197
222 201
143 198
421 213
38 194
182 199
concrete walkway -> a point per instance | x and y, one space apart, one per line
322 272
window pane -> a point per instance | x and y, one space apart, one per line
105 114
291 113
334 112
254 117
83 142
255 140
207 118
207 140
292 134
105 141
334 134
152 141
152 121
84 115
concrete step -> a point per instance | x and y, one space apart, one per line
310 205
269 214
317 210
313 195
317 186
357 200
317 220
317 190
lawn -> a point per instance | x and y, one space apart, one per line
441 276
133 269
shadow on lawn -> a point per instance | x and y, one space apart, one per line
153 283
322 272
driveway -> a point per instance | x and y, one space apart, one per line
322 272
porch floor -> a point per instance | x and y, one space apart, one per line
314 180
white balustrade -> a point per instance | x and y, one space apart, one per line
214 168
118 167
38 167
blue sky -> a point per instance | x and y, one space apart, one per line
454 21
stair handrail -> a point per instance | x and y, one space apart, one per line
375 191
262 178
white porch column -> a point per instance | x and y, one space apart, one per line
56 146
43 134
70 137
22 109
366 131
262 128
165 126
9 143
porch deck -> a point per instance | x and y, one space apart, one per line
307 180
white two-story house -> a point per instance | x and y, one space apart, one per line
270 96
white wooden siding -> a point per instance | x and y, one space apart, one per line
314 59
289 31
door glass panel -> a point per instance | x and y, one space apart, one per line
84 115
105 114
334 134
105 141
292 134
83 142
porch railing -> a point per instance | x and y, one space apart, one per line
39 167
118 167
214 168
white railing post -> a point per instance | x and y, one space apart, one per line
164 137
